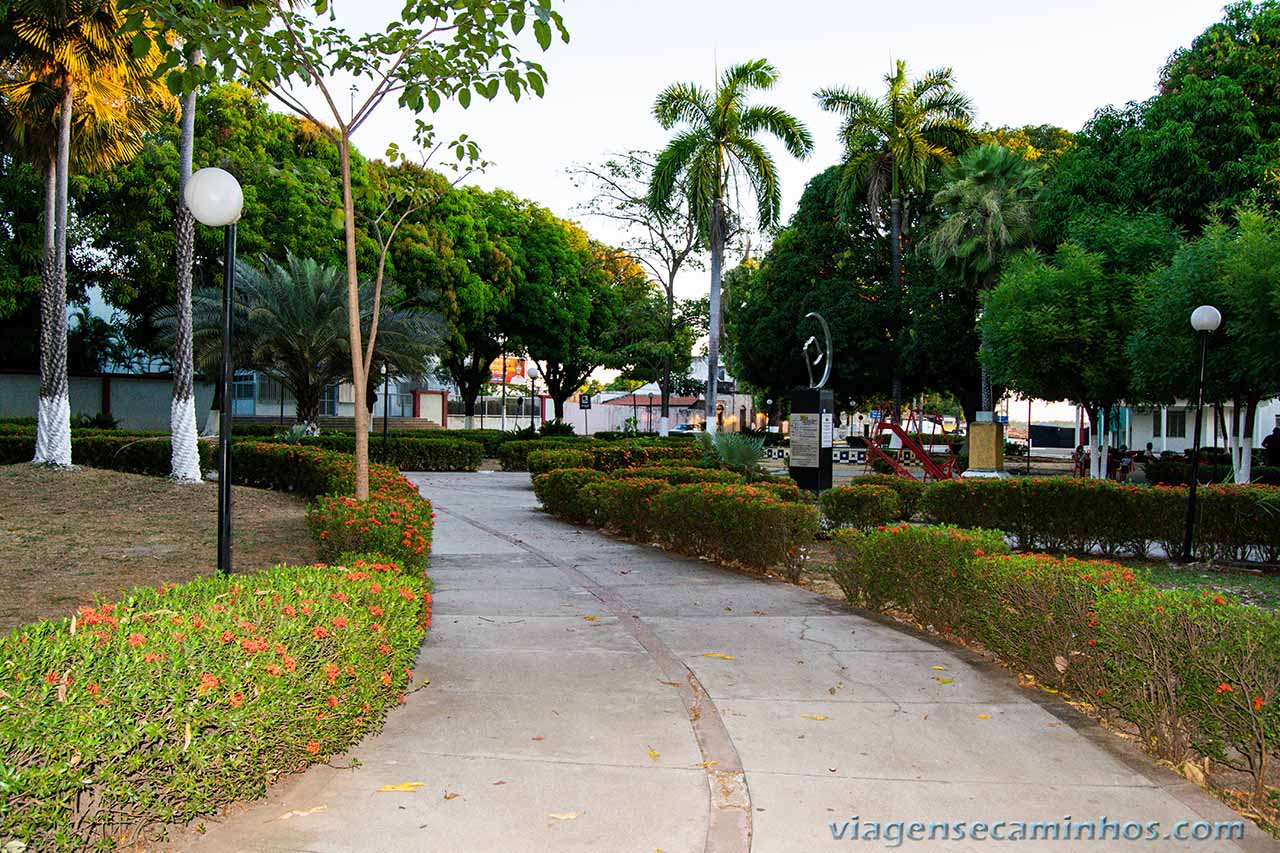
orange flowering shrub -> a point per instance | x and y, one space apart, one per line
624 504
859 506
558 489
542 461
172 702
679 475
1194 672
398 527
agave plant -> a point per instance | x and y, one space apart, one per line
733 450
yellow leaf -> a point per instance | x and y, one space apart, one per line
704 765
818 717
402 788
566 815
590 618
939 668
654 754
720 655
943 680
984 716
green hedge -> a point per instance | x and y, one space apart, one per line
542 461
172 702
1063 514
908 489
558 491
1176 471
1096 631
607 456
514 454
859 506
679 475
139 454
623 504
434 452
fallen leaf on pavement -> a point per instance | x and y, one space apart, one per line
818 717
671 683
450 795
402 788
590 618
720 655
654 755
1060 663
539 737
759 612
501 782
939 668
984 716
566 815
704 765
943 680
302 813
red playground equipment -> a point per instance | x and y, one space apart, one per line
906 446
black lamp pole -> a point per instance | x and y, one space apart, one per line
224 416
1189 533
532 416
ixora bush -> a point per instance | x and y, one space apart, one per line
1064 514
1195 672
398 527
858 506
428 452
172 702
623 504
908 489
606 455
542 461
558 491
679 475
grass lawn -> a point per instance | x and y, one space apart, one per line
1256 589
67 536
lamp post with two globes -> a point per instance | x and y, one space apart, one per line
1205 320
532 373
215 199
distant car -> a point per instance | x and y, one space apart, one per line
685 428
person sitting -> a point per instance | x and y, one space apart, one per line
1149 455
1271 449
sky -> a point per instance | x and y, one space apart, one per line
1028 62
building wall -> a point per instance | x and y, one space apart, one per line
1146 427
136 402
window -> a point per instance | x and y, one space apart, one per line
1177 423
244 393
1155 424
329 401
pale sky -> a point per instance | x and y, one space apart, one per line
1026 62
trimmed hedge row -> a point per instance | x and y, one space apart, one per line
542 461
136 453
410 453
170 703
606 455
1194 672
679 475
702 519
1075 515
908 489
858 506
1176 471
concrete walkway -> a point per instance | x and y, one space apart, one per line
592 695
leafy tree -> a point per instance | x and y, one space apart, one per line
291 326
60 56
716 151
663 241
1056 329
893 142
1042 144
1236 269
835 265
987 210
437 50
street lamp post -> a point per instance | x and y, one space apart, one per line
1205 320
215 199
532 373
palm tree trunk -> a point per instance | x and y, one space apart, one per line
353 324
713 331
184 463
895 253
53 415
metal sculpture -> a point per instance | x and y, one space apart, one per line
815 354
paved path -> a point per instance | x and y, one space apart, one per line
576 689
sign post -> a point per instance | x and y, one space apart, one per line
584 403
812 437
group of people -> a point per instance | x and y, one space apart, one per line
1120 461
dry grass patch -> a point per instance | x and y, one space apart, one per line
67 536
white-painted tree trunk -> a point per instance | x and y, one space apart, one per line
664 426
53 431
470 421
185 455
1098 453
1164 429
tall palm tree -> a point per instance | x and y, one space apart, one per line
893 142
291 325
72 53
714 152
987 203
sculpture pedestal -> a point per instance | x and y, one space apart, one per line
986 448
812 414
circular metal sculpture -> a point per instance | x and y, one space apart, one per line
816 354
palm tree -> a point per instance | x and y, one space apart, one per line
291 325
714 152
894 142
987 204
72 54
